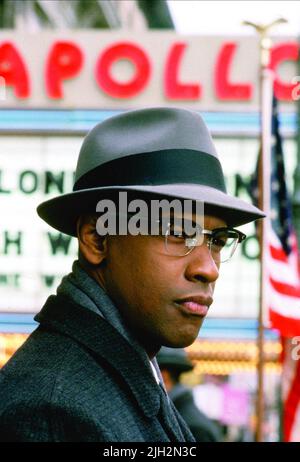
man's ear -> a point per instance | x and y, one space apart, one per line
92 246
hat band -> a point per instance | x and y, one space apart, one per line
169 166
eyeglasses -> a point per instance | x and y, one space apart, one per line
182 235
221 242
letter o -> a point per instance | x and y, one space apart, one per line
118 52
28 182
245 248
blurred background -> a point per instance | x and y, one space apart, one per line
67 65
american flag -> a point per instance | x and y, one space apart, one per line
283 281
282 256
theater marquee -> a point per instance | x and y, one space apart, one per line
87 69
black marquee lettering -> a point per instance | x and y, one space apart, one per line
28 181
241 185
10 241
10 280
4 279
48 280
17 280
59 243
2 190
54 181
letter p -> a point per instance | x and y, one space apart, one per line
64 61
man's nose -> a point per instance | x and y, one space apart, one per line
201 266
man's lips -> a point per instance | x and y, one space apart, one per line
197 305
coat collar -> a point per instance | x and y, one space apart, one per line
95 333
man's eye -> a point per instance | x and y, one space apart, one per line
219 242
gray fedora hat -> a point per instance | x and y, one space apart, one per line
174 358
162 151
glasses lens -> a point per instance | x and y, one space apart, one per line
182 238
223 244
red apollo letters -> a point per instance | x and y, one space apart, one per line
65 60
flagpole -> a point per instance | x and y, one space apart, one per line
264 185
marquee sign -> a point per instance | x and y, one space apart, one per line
87 69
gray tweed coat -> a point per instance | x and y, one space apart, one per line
76 378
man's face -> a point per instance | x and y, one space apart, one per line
163 298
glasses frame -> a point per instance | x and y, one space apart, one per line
197 241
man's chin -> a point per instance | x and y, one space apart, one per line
183 339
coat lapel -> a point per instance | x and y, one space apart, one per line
96 334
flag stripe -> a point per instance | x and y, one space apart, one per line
278 254
287 271
291 408
285 306
289 327
286 275
286 289
295 433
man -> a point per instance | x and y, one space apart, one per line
88 372
173 362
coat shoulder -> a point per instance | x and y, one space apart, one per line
44 390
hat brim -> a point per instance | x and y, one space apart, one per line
62 212
177 364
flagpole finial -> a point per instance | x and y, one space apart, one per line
263 29
265 41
